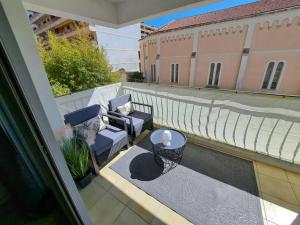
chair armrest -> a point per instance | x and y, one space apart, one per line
117 118
150 106
117 114
121 115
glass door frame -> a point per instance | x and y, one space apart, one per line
23 102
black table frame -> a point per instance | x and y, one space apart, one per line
168 158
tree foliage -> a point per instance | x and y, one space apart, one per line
59 90
74 65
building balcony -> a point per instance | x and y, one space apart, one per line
233 138
36 17
51 24
115 200
74 32
241 163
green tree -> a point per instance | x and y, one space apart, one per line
74 64
58 89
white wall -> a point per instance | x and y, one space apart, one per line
121 46
79 100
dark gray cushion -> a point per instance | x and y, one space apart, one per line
136 118
106 138
141 115
82 115
118 101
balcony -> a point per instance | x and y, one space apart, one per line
241 159
54 22
73 32
233 138
115 200
36 17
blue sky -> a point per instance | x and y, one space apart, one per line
161 21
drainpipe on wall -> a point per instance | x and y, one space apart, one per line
193 60
157 67
245 56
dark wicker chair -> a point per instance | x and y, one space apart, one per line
108 141
136 121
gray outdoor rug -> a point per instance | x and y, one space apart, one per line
208 188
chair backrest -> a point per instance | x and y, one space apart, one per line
118 101
81 115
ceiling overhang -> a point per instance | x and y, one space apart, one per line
112 13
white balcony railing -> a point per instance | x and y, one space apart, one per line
269 125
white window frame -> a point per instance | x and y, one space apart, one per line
214 74
174 72
276 62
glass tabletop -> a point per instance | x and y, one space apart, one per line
178 139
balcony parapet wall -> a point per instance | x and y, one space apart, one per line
262 124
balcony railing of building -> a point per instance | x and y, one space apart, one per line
54 22
268 125
73 31
36 16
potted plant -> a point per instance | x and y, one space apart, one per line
77 157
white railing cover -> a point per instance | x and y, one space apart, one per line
78 100
261 123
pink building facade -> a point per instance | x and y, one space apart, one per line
256 52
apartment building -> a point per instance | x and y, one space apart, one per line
41 23
146 30
254 47
121 45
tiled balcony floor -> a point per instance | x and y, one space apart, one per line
111 199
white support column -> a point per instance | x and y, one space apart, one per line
193 59
17 39
244 61
157 66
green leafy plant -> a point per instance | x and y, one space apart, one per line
74 64
59 90
77 157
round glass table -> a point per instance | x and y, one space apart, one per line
168 156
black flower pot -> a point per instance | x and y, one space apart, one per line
84 181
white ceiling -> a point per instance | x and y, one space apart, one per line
116 1
113 13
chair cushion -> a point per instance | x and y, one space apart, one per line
141 115
125 109
81 115
93 125
138 120
106 138
137 116
118 101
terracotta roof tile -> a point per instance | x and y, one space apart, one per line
248 10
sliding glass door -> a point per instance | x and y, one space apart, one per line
30 189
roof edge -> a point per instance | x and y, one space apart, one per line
220 21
